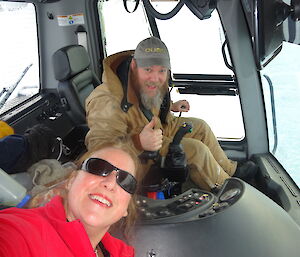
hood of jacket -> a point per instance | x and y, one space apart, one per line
120 86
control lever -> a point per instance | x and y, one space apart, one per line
149 155
176 156
182 107
172 169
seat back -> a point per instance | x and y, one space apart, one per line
76 80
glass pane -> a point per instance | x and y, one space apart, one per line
284 76
19 70
226 122
195 48
195 45
125 35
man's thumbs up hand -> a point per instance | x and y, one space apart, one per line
151 139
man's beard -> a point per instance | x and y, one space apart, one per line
147 101
151 102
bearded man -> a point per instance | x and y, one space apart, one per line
134 100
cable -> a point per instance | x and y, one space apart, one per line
162 16
60 147
225 57
135 7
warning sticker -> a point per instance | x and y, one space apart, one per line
72 19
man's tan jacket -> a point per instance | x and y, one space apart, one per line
105 115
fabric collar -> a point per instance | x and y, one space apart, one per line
110 66
69 230
122 72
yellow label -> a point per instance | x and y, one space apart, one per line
154 50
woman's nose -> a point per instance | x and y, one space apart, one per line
110 181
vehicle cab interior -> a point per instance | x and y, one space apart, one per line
235 61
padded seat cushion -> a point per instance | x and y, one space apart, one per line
69 61
83 85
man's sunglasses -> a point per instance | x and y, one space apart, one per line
103 168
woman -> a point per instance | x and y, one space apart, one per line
98 196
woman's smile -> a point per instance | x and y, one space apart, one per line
101 200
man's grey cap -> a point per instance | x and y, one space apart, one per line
152 51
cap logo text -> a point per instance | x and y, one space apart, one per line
154 50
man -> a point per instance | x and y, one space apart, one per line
134 100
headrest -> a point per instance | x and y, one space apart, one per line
69 61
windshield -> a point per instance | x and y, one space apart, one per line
281 82
198 48
19 70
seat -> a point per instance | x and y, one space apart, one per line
76 80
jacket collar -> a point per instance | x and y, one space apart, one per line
113 65
75 236
73 233
123 71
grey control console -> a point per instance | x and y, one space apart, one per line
192 204
237 221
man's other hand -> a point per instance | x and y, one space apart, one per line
180 106
151 139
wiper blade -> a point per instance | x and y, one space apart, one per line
6 92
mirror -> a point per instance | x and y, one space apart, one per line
265 20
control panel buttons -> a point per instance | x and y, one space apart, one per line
191 200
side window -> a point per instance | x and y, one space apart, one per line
120 35
200 53
19 66
281 87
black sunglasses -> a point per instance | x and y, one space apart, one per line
103 168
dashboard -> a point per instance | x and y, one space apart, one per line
237 221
